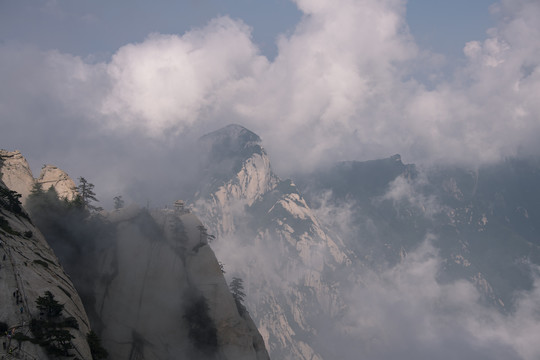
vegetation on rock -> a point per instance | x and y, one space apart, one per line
49 330
202 330
94 342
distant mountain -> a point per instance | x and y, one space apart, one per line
304 250
484 221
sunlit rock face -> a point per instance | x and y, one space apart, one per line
29 265
51 176
235 172
156 268
15 173
268 235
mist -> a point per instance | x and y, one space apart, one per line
407 309
404 312
386 267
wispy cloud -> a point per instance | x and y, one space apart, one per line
406 313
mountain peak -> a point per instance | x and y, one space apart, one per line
232 144
232 133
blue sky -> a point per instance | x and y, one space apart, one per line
101 27
445 26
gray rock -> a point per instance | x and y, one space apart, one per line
15 173
157 266
29 265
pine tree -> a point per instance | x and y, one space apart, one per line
49 306
96 349
237 290
9 200
202 329
37 189
87 195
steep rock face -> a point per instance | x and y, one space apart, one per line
158 267
52 176
236 171
143 283
259 217
28 264
15 173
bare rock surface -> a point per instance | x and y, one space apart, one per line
268 235
53 176
159 265
29 268
15 173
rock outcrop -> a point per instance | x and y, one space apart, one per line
17 176
15 173
28 269
236 171
262 219
51 176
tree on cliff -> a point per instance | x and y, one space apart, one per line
50 330
96 349
237 290
202 329
9 200
87 195
49 306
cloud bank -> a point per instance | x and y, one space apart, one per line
405 313
346 84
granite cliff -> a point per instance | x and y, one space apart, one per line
29 269
151 285
268 235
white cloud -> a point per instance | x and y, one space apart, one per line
341 87
405 313
169 82
338 68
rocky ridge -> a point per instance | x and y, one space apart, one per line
483 220
16 174
258 216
